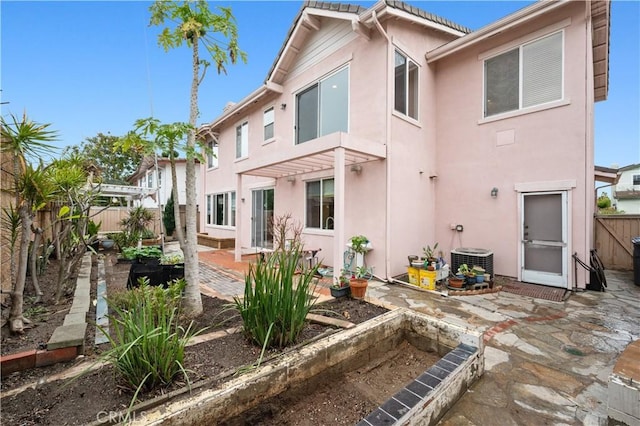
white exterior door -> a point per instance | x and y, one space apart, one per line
544 238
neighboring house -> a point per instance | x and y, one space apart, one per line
626 193
405 127
145 177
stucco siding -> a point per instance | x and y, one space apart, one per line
474 155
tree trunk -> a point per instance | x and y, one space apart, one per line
192 302
176 204
33 264
16 321
66 227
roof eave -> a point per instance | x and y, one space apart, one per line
515 19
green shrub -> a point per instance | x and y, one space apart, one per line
168 217
276 300
147 342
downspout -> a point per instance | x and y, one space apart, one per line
588 117
387 139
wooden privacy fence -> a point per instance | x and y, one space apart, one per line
613 234
111 217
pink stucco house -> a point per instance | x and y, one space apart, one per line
400 125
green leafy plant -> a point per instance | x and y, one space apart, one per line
137 222
168 217
131 253
359 243
429 252
362 273
343 279
147 342
171 259
463 269
276 301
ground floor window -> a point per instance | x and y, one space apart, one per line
320 204
221 209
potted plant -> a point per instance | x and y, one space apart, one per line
359 244
429 253
341 286
173 266
359 282
108 242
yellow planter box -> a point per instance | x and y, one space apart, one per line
414 275
427 279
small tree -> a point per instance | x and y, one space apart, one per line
169 217
604 201
196 24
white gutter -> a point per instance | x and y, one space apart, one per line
387 137
515 19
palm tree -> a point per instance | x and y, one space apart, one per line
24 139
196 24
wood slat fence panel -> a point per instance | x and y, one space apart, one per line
613 234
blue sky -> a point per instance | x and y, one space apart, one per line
90 67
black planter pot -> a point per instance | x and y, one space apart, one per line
154 272
340 292
174 272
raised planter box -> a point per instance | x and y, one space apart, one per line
214 242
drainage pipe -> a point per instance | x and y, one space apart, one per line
387 140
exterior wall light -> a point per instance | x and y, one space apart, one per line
494 192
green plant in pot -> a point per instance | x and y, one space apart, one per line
341 287
359 282
430 256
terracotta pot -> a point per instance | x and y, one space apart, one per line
456 282
358 287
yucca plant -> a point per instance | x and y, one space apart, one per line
147 342
276 299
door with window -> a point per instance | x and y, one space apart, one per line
262 218
544 238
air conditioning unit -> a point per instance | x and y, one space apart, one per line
472 257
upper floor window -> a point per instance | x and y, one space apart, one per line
323 107
636 179
406 86
528 75
212 155
320 204
159 178
149 179
268 124
221 209
242 140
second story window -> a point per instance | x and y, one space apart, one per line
268 124
406 86
242 140
526 76
323 107
149 179
212 155
636 179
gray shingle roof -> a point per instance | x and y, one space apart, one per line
337 7
400 5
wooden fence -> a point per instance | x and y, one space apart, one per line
111 217
613 234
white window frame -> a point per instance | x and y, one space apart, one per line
323 221
268 119
229 209
559 101
242 144
407 86
318 83
212 155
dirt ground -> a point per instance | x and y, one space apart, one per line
82 400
